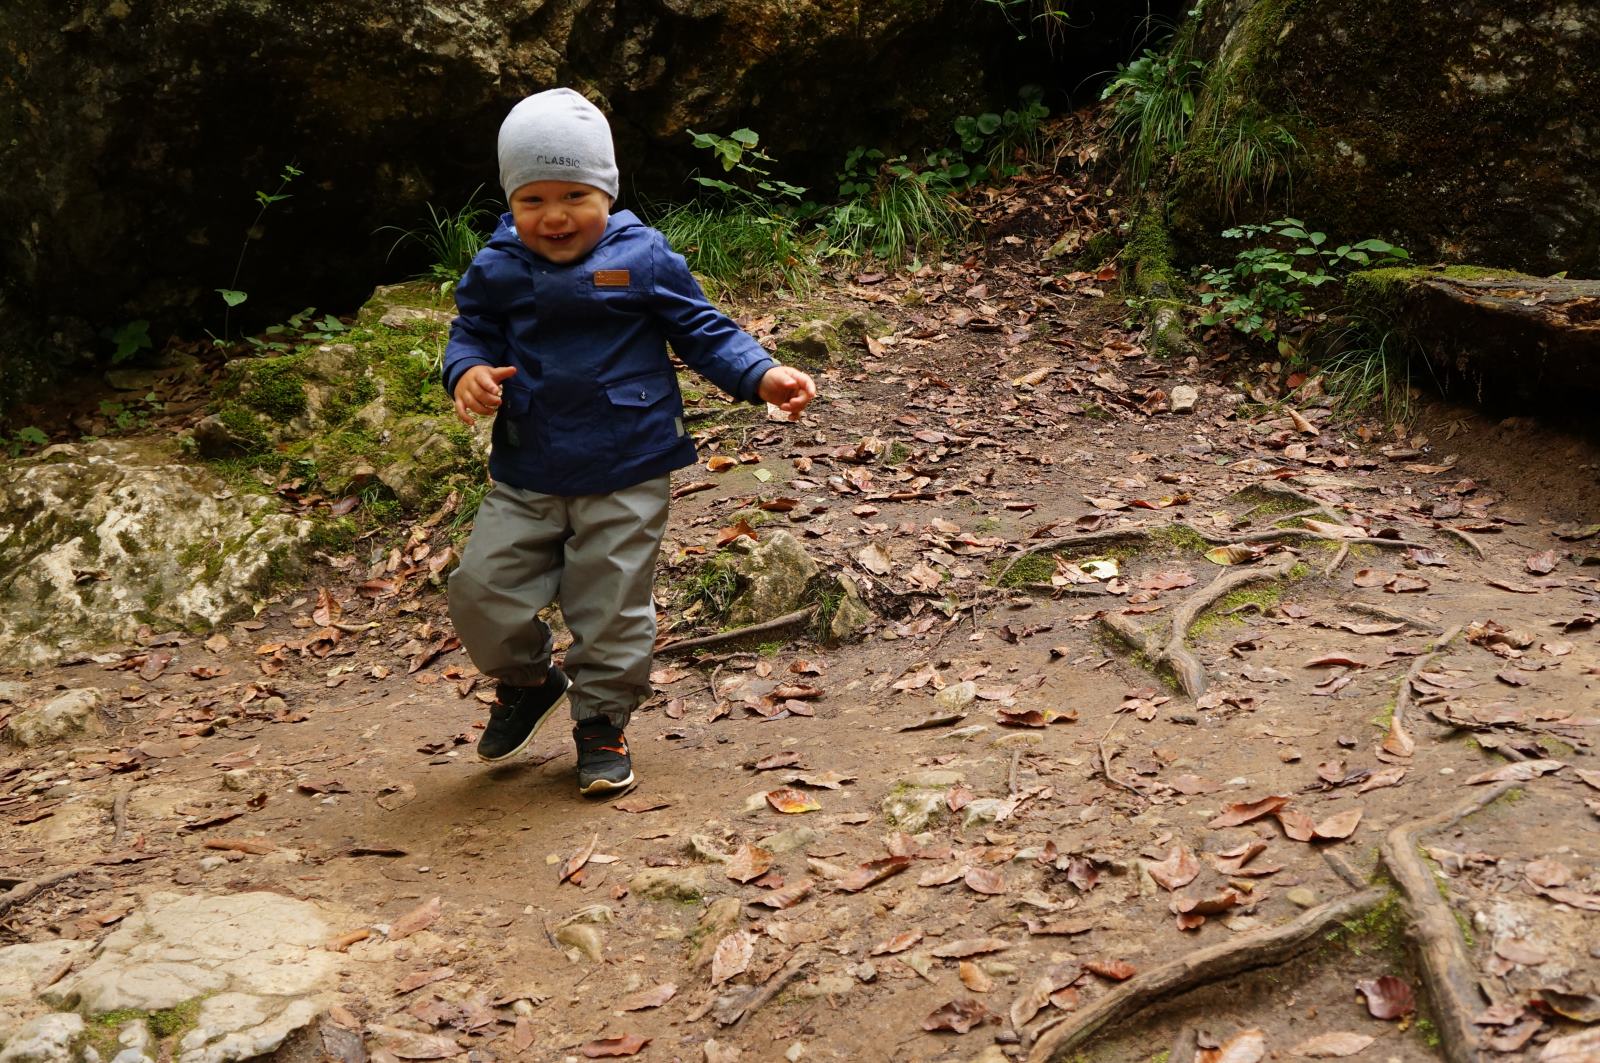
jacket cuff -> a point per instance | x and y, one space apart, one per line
455 370
752 379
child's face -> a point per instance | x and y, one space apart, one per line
560 220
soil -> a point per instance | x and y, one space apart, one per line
930 446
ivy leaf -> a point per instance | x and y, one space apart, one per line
232 297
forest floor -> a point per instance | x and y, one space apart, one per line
1003 476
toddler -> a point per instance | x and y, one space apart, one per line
565 317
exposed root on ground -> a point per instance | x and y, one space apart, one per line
787 620
1445 969
23 890
1174 653
1258 948
1442 955
1383 612
1404 697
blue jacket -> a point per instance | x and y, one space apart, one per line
594 406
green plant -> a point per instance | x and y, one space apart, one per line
994 144
453 238
231 295
1049 17
303 327
132 415
713 586
1366 365
128 340
1249 156
1152 103
28 438
1269 285
890 210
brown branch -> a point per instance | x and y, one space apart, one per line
774 985
775 624
1464 537
1403 698
23 890
1175 653
119 816
1258 948
1446 970
1385 613
1338 559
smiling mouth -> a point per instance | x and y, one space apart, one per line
557 238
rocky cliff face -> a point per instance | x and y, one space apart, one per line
139 131
1464 131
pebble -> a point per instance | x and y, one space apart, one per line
1302 897
1183 399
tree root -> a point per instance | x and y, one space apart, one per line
775 624
1258 948
1477 547
1283 490
1445 969
23 890
1174 653
1385 613
1404 697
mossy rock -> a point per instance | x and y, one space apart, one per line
824 342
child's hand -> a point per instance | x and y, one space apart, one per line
478 390
788 389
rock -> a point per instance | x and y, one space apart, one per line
913 810
74 712
851 615
934 778
45 1039
956 698
716 922
213 438
242 780
1388 109
1183 399
1301 897
24 966
122 535
682 884
400 317
200 125
177 948
835 984
791 839
774 577
586 939
981 810
704 848
812 344
12 692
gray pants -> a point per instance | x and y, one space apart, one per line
597 553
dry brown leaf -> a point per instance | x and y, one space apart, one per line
1039 993
974 978
786 897
958 1016
419 918
1332 1045
1339 826
1243 812
898 943
872 872
577 860
1247 1046
789 800
1116 970
1520 771
626 1045
1387 997
964 947
748 862
985 880
648 998
732 956
1177 870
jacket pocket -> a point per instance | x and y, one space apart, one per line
646 412
511 419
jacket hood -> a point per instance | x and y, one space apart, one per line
505 236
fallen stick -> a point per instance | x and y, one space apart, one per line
1338 559
119 817
1384 613
1343 868
1105 764
775 624
1446 970
1258 948
1175 652
23 890
773 987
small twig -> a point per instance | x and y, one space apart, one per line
1464 537
776 624
1011 780
774 986
1446 969
119 816
1338 559
1105 764
1201 967
1384 613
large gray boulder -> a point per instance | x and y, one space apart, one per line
98 539
140 131
1465 132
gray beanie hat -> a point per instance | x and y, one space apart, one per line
557 135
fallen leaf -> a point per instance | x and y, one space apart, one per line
787 897
1116 970
959 1016
792 801
577 860
873 872
1520 771
985 880
732 956
748 862
1388 997
1581 1047
1332 1045
1177 870
1247 1046
1033 999
419 918
1338 826
648 998
898 943
973 977
961 949
637 804
627 1045
1232 554
1243 812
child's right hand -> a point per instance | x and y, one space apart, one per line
478 390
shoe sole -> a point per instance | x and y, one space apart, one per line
605 787
526 742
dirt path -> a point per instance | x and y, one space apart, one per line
1068 785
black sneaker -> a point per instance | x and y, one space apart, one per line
604 766
517 715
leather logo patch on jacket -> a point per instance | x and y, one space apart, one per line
610 278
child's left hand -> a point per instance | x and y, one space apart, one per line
787 388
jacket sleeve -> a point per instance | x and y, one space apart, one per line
704 337
477 335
